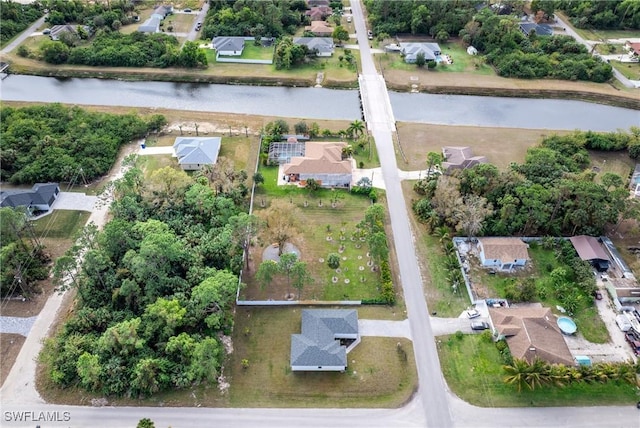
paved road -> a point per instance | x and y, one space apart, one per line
26 33
380 121
589 45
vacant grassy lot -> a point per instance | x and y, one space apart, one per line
381 371
501 146
473 370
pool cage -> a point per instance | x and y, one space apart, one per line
281 152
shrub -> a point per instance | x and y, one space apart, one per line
333 260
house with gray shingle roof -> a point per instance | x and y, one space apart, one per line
195 152
412 50
322 46
152 25
229 46
318 347
40 198
538 29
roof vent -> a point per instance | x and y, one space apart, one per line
532 349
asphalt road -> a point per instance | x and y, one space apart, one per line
379 116
26 33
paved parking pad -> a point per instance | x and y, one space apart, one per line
384 328
75 201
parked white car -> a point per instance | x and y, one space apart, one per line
473 313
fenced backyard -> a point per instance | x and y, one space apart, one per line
328 221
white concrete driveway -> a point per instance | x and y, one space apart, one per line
384 328
75 201
164 150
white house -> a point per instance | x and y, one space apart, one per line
411 51
195 152
322 46
318 346
323 162
228 46
503 253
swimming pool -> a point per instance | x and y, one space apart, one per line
567 325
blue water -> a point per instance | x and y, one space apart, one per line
567 325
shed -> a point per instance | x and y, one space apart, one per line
590 250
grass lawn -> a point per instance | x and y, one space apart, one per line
462 62
629 70
473 370
378 374
325 230
61 224
438 292
250 51
615 162
181 23
501 146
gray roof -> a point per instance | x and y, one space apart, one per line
151 25
540 29
197 150
411 51
321 44
317 344
40 194
221 43
588 248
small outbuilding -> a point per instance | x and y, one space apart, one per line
590 250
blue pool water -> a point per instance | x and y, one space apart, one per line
567 325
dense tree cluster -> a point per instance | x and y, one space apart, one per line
16 18
111 14
516 55
54 143
419 16
114 49
257 18
22 261
602 14
156 288
288 54
551 193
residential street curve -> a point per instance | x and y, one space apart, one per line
433 405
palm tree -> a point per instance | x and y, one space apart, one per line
347 151
356 128
516 373
537 374
558 374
